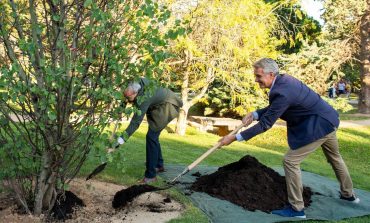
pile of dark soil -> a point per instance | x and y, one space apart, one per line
249 184
65 204
122 197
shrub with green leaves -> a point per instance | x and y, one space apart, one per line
64 66
339 104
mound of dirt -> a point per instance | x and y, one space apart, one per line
249 184
65 204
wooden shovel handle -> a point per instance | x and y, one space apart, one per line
218 145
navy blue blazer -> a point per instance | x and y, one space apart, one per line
308 116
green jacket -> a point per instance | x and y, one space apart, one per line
160 107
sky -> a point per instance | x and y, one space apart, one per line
313 9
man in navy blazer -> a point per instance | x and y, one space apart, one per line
311 122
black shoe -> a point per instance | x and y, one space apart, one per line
352 199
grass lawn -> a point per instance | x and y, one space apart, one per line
268 148
352 115
345 117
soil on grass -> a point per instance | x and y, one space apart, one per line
97 197
122 197
249 184
197 174
167 200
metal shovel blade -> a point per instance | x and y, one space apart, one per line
174 180
97 170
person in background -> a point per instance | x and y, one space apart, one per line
332 91
341 87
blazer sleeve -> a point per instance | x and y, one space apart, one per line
262 111
279 104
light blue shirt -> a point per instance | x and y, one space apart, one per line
255 114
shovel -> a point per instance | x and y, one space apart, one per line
201 158
101 167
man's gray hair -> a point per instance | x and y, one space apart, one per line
134 86
268 65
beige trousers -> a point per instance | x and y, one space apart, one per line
293 159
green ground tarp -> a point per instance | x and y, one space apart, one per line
327 206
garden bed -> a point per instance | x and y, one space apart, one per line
97 197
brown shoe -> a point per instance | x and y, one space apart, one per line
160 169
146 180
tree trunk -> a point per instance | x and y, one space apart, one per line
19 195
50 193
42 183
181 121
364 98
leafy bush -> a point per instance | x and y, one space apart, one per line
339 104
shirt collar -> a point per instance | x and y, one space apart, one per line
273 83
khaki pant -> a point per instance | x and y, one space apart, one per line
293 159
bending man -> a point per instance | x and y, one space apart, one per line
161 108
311 123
